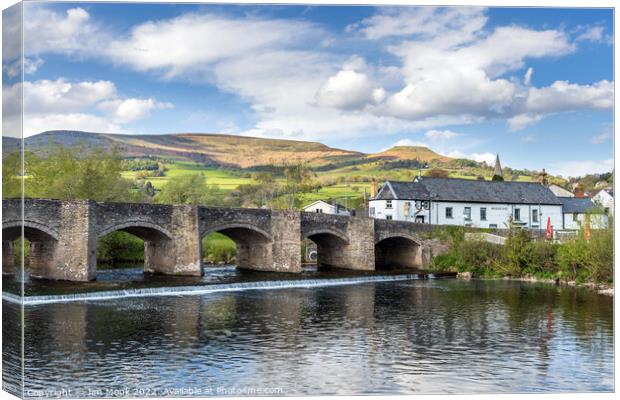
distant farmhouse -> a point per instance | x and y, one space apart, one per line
475 203
324 207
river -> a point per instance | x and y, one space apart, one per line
401 337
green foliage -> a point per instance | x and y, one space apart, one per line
218 248
11 175
577 259
73 173
189 189
498 178
118 247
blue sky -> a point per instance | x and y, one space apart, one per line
532 84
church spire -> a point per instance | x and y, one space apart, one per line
498 168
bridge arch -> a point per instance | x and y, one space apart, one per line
158 242
398 250
254 246
330 244
43 242
142 229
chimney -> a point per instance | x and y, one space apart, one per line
578 190
542 178
373 188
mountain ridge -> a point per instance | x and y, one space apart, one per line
222 150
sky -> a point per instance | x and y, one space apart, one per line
532 84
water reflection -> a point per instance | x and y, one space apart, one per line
400 337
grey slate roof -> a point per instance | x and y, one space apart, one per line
467 190
576 204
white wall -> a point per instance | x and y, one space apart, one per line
606 200
497 214
597 221
398 211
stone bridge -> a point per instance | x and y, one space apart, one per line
64 235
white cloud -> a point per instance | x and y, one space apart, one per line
71 32
189 43
521 121
348 90
592 34
527 79
580 168
128 110
487 157
449 69
565 96
421 21
65 97
601 138
408 143
37 123
60 104
459 75
441 135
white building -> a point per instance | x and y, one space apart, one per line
605 198
574 211
559 191
324 207
475 203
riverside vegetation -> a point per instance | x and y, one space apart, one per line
522 256
80 173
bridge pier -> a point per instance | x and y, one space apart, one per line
181 254
286 245
8 258
74 256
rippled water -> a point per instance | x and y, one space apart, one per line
443 336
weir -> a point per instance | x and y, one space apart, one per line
205 289
64 233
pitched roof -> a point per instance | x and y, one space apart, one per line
576 204
468 190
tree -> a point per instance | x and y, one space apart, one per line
438 173
11 175
189 189
497 178
74 173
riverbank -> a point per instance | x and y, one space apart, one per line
600 288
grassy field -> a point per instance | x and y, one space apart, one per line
225 180
343 183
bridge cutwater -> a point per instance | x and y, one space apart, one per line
63 237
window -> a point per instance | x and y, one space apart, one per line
388 217
448 212
517 214
483 214
575 217
371 211
467 213
388 204
320 211
534 215
425 205
418 204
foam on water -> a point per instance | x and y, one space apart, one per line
198 290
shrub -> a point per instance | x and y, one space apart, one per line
118 247
218 248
